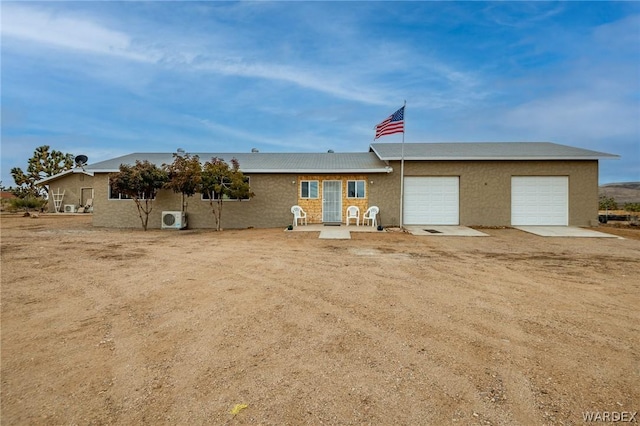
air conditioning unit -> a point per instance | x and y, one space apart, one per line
174 220
69 208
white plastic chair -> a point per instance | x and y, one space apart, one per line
371 215
298 214
353 212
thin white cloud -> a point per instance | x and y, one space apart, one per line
216 128
575 115
522 14
353 80
67 32
84 35
589 100
339 88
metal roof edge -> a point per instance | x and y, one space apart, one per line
587 154
324 171
532 158
106 171
372 149
64 173
386 169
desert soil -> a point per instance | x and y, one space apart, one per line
103 326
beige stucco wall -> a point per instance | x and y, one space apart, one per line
485 195
275 194
72 185
485 188
271 206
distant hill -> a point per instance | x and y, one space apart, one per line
622 192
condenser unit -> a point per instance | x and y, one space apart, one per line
174 220
69 208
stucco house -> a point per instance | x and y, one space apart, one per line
482 184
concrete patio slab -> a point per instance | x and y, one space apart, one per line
564 231
444 231
335 233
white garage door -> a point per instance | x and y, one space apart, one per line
431 201
540 200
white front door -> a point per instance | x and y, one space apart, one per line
332 201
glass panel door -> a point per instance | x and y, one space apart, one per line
332 201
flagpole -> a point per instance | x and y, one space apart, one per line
402 163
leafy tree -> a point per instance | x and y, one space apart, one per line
44 163
607 203
23 192
185 176
141 183
221 181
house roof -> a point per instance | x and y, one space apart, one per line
485 151
61 174
258 162
374 161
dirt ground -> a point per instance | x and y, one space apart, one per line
104 326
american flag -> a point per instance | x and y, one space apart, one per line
393 124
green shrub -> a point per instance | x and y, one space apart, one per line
607 203
632 207
28 203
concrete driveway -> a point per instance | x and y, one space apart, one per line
565 231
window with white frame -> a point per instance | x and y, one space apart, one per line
309 189
355 189
120 196
205 196
117 195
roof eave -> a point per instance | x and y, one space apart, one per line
61 174
289 171
323 171
519 158
105 171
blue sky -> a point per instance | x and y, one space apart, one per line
110 78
